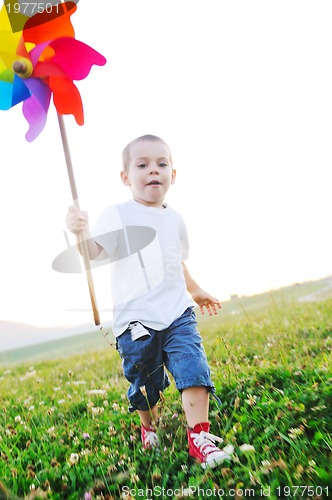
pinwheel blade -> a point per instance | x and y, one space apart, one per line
46 26
75 58
36 107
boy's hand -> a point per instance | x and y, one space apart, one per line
204 299
77 221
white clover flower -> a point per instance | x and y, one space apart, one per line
51 431
266 467
28 401
18 419
97 410
97 392
295 433
247 448
251 399
85 452
74 458
229 449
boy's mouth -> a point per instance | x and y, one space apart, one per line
154 183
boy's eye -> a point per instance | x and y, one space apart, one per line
162 164
142 165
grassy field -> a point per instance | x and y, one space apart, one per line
231 310
65 431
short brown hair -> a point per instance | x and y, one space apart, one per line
147 137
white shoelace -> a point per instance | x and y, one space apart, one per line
151 439
205 441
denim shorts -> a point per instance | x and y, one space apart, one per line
178 348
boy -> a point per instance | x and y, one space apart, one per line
153 318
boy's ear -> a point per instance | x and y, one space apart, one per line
173 176
124 178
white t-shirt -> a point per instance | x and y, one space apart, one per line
146 247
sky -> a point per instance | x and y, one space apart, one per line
241 92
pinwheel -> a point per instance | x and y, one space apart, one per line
39 59
43 60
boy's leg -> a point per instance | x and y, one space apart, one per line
149 417
144 368
195 403
186 360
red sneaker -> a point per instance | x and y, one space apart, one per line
202 447
149 438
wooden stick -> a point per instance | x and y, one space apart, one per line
82 238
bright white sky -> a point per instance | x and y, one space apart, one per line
241 91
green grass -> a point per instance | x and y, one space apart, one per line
272 370
231 310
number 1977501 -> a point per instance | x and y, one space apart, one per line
31 8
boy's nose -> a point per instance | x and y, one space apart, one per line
154 169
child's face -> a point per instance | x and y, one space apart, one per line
150 172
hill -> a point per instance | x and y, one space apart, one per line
14 335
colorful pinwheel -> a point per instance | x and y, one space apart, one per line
40 57
46 58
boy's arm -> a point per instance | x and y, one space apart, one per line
200 296
78 223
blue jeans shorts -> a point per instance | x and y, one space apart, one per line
178 348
